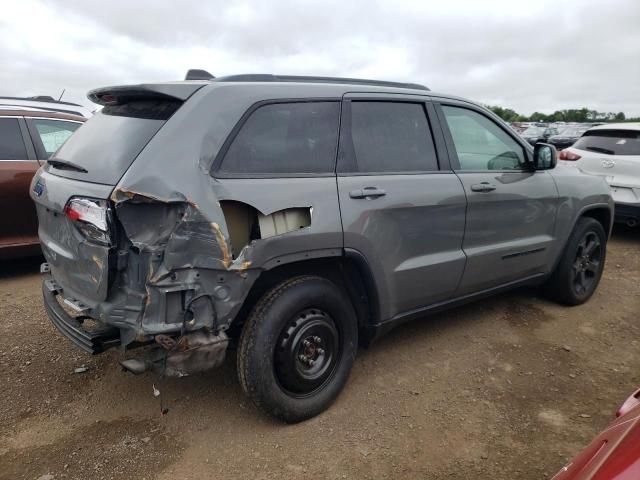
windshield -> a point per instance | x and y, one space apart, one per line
611 142
108 143
573 131
531 131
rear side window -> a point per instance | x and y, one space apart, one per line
611 142
53 133
11 142
389 137
286 138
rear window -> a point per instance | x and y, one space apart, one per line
286 138
11 142
108 143
611 142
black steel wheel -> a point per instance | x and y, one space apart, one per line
307 352
297 348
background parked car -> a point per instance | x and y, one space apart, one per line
612 151
44 103
568 136
614 453
534 134
27 137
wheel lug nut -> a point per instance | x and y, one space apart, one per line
317 339
310 362
306 343
320 351
303 359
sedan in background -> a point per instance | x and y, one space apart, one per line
27 139
612 151
567 136
534 134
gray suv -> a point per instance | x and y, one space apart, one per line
294 218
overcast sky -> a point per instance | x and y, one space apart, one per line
527 55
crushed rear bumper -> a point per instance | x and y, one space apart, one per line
91 341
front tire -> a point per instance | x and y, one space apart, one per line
297 348
577 275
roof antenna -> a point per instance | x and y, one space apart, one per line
63 90
197 74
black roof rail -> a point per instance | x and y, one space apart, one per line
40 98
266 77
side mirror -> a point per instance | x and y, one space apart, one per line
545 156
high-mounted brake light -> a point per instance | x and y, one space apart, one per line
108 99
569 156
91 217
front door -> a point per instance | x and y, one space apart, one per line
401 208
511 209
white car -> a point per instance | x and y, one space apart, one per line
612 151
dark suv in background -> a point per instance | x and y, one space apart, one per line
298 217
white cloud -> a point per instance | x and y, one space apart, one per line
528 55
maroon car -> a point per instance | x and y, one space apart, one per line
27 137
615 453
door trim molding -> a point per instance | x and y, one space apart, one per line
386 325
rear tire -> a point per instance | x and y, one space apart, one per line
297 348
576 277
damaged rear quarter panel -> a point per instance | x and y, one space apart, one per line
169 207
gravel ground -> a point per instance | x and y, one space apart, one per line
507 388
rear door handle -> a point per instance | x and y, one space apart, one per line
483 187
367 192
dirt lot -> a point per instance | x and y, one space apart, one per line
507 388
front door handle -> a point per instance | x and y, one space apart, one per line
367 192
483 187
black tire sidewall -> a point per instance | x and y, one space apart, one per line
567 291
265 329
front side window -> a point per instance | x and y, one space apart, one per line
53 133
480 143
391 137
286 138
11 142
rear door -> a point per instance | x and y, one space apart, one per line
511 209
401 205
18 225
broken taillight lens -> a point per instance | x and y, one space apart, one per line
91 217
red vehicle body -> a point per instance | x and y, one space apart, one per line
615 453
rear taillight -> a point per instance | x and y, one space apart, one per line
91 217
569 156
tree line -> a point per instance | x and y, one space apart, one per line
570 115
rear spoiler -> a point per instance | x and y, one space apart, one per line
161 91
